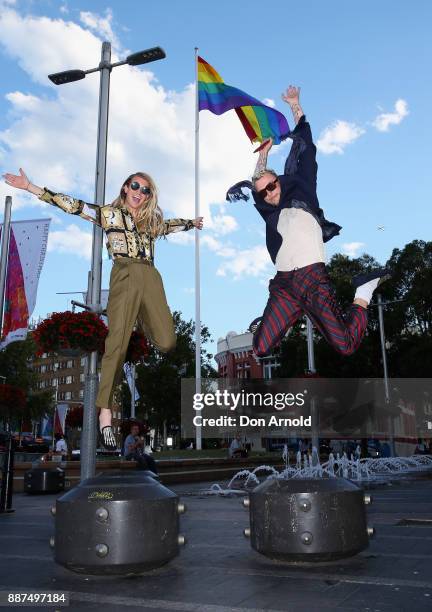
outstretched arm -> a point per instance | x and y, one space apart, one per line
182 225
292 98
302 157
90 212
262 158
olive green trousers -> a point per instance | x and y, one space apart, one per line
136 295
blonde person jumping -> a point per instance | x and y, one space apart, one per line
131 223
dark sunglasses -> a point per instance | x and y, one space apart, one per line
269 187
135 185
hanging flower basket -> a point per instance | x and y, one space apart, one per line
71 333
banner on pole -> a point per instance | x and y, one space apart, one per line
27 249
60 419
128 373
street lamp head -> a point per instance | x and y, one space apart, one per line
144 57
68 76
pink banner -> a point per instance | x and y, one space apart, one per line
27 248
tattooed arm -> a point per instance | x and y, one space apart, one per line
262 158
291 97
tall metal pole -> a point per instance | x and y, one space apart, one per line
198 432
385 369
88 438
5 237
132 389
310 346
312 370
8 462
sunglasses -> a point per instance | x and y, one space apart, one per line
144 189
269 187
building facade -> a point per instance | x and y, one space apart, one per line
65 377
235 358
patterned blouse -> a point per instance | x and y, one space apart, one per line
124 239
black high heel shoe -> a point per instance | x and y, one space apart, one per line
107 438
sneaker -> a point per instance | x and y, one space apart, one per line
107 438
365 277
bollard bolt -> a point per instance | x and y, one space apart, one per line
247 532
181 540
367 498
53 510
246 502
101 514
181 508
101 550
305 505
52 541
306 537
371 532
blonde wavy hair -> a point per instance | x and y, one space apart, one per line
150 217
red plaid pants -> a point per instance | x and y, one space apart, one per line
308 291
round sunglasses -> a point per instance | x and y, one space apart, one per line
143 188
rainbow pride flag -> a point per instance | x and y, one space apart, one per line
259 121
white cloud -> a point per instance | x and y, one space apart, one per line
52 135
269 102
71 240
246 262
383 121
336 137
224 224
352 248
100 25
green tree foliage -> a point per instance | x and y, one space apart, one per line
16 368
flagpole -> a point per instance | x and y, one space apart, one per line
197 257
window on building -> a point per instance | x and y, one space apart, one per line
69 380
70 363
81 393
269 366
43 368
82 377
68 395
83 360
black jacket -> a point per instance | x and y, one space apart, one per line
298 189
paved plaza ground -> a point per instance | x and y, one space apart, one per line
218 570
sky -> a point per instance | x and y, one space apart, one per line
362 69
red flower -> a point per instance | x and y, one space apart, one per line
84 331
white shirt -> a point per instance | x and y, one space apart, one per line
302 242
61 446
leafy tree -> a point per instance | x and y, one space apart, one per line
16 370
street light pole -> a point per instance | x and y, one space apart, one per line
88 438
89 432
313 401
380 305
